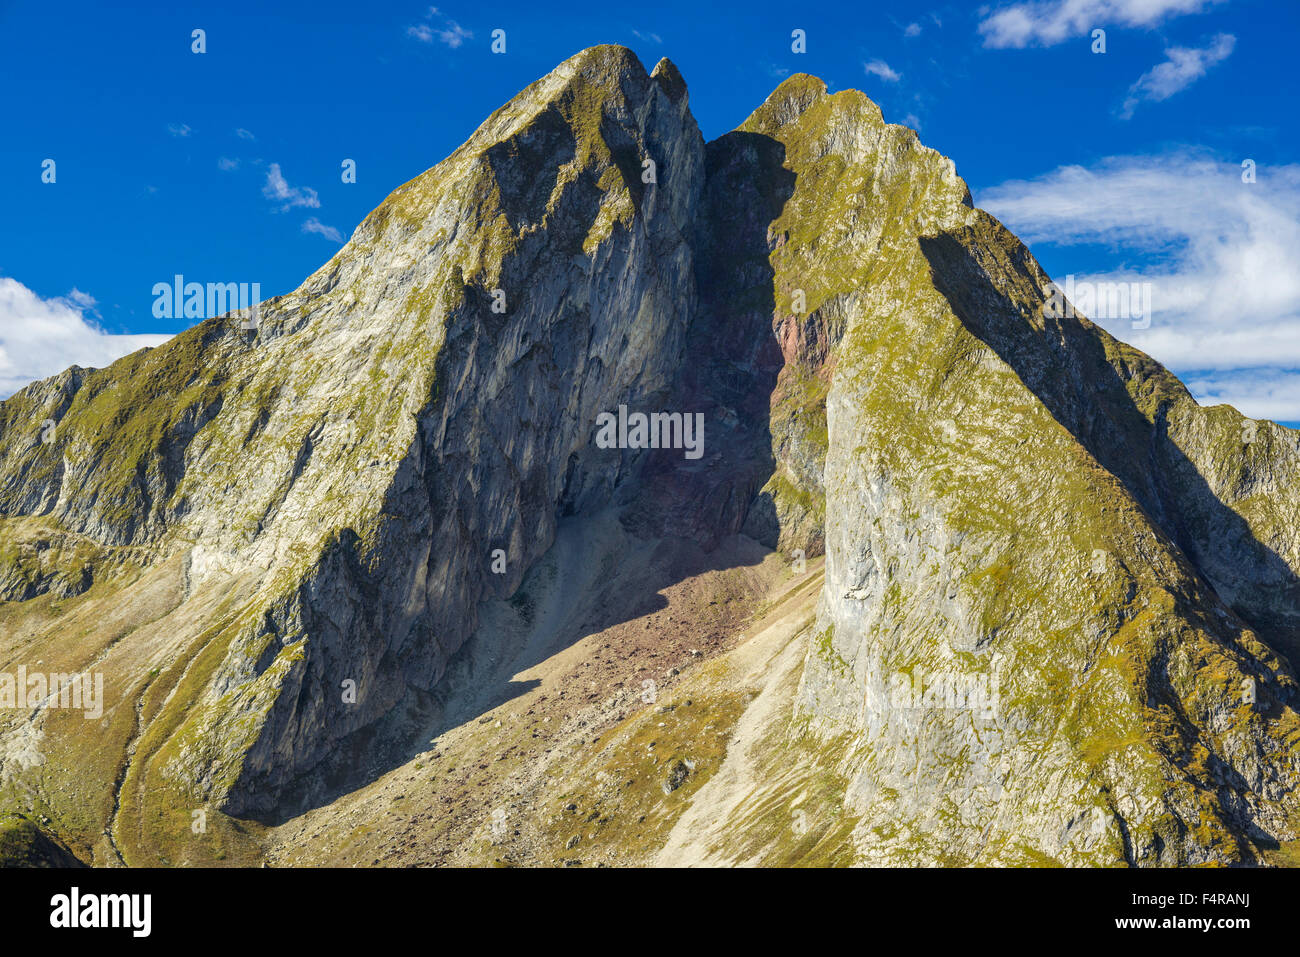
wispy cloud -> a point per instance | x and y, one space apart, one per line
1221 256
227 164
314 225
438 27
912 30
243 134
277 188
648 37
41 337
1049 22
83 301
883 70
1181 68
454 34
178 129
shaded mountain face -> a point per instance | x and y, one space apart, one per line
274 543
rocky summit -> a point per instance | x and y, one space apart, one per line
613 497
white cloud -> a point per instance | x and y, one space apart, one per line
454 34
883 70
1049 22
243 134
912 30
178 129
1222 256
42 337
1262 393
1181 68
83 300
278 188
227 164
449 31
648 37
314 225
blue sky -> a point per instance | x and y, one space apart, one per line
225 166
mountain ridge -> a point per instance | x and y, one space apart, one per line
875 369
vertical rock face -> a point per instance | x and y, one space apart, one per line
280 538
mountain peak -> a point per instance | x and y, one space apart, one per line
793 97
670 79
605 61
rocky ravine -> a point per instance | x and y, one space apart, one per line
274 544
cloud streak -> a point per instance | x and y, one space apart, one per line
277 188
1182 67
1045 23
314 225
447 32
883 70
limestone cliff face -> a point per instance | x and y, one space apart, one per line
276 540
